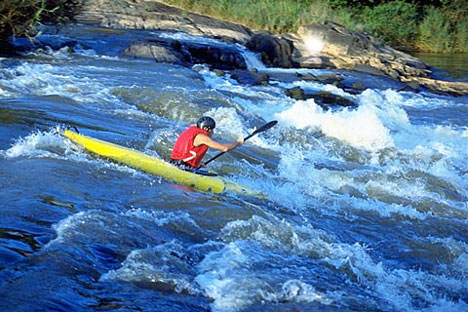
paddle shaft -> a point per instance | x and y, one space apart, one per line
261 129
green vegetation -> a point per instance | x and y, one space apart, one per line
20 17
429 26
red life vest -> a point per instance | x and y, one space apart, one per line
185 150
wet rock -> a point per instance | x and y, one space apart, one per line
358 86
6 48
160 53
329 79
250 77
306 77
186 53
440 86
296 93
353 50
414 85
369 70
275 51
333 79
218 72
325 99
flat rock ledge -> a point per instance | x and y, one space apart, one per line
327 46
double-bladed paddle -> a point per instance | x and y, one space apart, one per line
261 129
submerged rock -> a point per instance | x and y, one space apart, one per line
328 99
325 99
250 77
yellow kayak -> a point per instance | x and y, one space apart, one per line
156 166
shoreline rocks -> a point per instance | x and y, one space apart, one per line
315 46
186 53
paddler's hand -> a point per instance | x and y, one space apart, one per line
239 141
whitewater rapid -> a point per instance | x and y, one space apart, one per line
366 210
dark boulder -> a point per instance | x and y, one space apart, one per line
324 99
187 53
158 52
249 77
296 93
327 100
275 51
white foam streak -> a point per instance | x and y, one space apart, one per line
253 60
162 218
66 228
36 144
49 144
298 291
151 265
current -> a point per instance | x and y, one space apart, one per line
366 210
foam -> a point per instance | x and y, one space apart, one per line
151 265
63 80
48 144
236 276
228 121
36 144
360 128
162 218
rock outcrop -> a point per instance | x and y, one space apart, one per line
313 46
333 46
188 53
274 51
153 15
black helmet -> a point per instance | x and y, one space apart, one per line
206 122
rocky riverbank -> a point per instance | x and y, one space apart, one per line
328 46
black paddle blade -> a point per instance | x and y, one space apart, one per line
262 128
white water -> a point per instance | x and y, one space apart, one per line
363 203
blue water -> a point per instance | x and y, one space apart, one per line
366 210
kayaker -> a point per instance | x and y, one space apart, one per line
193 143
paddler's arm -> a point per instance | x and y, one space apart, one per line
223 147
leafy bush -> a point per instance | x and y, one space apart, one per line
434 32
394 22
461 37
20 17
444 29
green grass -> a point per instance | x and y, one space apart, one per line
279 16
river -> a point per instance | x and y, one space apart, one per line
366 208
